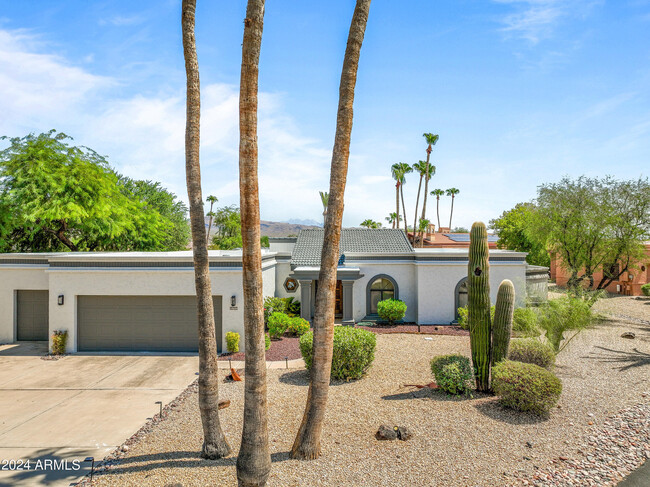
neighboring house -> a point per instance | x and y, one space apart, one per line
145 301
629 283
441 240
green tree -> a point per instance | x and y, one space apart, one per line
515 230
324 199
392 218
431 140
399 171
452 192
459 230
54 196
212 200
424 169
438 193
368 223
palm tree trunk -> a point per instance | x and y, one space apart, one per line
397 203
406 229
438 210
254 460
215 444
426 192
307 443
452 211
417 203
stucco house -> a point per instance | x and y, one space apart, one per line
144 301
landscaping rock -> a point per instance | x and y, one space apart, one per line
628 334
386 433
403 433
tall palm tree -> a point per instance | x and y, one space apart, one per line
212 200
452 192
254 460
425 170
431 140
396 172
324 198
307 443
392 218
368 223
215 444
403 170
438 193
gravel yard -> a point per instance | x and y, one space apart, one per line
457 442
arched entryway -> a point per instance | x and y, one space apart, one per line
460 295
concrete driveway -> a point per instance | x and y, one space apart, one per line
76 407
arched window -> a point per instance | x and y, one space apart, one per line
461 295
379 288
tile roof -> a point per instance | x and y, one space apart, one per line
308 248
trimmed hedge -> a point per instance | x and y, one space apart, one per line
453 373
297 326
354 352
278 324
232 342
526 387
645 289
531 351
391 310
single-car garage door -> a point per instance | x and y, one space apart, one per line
141 323
32 315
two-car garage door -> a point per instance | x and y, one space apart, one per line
141 323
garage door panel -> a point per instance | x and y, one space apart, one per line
140 323
32 315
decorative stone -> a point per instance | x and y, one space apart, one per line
386 433
403 433
628 334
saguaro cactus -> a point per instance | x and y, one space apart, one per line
502 326
478 297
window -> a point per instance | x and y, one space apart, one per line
381 288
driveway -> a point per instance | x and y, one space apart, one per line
76 407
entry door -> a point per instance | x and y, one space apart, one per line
32 315
338 307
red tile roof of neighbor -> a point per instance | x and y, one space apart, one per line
441 240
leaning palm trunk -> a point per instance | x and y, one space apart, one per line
406 227
438 210
426 192
397 185
417 203
452 211
307 443
214 441
254 460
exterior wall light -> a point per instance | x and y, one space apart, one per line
59 300
233 301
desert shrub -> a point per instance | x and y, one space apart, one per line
525 387
267 341
273 305
59 342
232 342
354 352
524 321
645 289
531 351
453 373
462 316
278 324
297 326
292 306
391 310
564 314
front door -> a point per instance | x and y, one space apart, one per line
338 306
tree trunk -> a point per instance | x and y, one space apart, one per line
254 460
307 443
452 211
438 210
426 192
406 228
397 202
60 234
417 203
215 444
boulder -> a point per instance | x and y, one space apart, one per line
386 433
628 334
403 433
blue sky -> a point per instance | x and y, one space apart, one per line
521 92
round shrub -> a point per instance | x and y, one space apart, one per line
525 387
453 373
524 321
298 326
646 289
278 324
462 316
232 342
391 310
354 351
531 351
267 341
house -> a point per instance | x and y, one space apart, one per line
145 301
447 239
629 283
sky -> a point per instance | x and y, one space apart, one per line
521 93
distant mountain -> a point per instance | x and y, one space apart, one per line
277 229
312 223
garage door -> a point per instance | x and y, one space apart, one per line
32 315
140 323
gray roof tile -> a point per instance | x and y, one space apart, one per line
308 248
